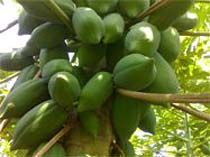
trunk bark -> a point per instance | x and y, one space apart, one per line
80 143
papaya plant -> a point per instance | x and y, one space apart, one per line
126 65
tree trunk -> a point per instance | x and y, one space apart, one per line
80 143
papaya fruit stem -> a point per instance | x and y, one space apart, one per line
3 124
195 34
9 78
166 98
37 74
153 8
10 25
60 13
149 11
54 140
196 113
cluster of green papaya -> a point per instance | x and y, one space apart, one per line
107 54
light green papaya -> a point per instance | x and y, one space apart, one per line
54 66
26 74
48 35
166 80
134 72
49 54
174 8
31 129
41 9
23 98
90 55
64 88
95 92
170 44
187 21
142 38
90 122
148 121
29 50
88 25
114 27
102 7
133 8
114 53
126 114
14 61
57 150
27 23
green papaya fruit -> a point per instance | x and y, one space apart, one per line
90 121
41 9
187 21
64 88
174 8
88 25
114 27
114 53
29 50
90 55
142 38
49 54
166 80
133 8
95 92
31 129
102 7
27 23
134 72
126 114
128 149
148 122
57 150
54 66
14 61
48 35
23 98
170 44
26 74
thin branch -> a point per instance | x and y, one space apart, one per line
196 113
3 124
54 140
195 34
166 98
9 78
10 25
60 13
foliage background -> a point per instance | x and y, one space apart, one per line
177 134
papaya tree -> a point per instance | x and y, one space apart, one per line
93 72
